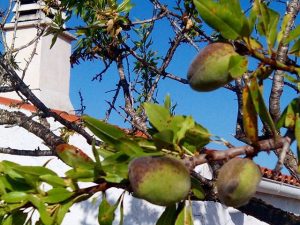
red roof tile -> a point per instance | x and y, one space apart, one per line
21 105
271 174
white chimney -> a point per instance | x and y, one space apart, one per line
48 75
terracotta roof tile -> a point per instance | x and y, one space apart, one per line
271 174
21 105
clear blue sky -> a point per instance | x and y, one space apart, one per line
215 110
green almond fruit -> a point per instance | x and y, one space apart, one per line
210 68
159 180
237 181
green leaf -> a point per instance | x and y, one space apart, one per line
64 208
267 22
55 181
238 65
158 115
260 106
293 35
288 116
40 206
125 6
81 174
15 184
197 189
185 217
74 156
106 132
295 49
168 216
129 147
249 117
168 103
116 172
197 136
225 17
34 170
15 197
180 125
106 213
297 136
19 217
56 195
164 139
8 220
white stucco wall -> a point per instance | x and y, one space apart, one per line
48 75
137 212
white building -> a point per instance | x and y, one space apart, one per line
51 85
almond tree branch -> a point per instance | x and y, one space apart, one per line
34 153
19 86
137 121
215 155
20 119
278 80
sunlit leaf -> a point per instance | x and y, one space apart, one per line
55 181
185 217
295 49
41 207
74 156
106 213
15 197
197 189
106 132
226 18
57 195
260 106
295 33
249 117
158 115
238 65
168 216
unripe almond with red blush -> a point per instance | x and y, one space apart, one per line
237 181
210 68
159 180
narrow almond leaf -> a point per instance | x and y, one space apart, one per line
249 117
297 136
158 115
168 216
238 65
41 207
106 132
260 106
74 156
106 213
197 189
54 181
15 197
185 217
223 17
293 35
297 131
295 49
56 195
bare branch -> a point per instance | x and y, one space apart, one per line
35 153
19 85
215 155
277 85
20 119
